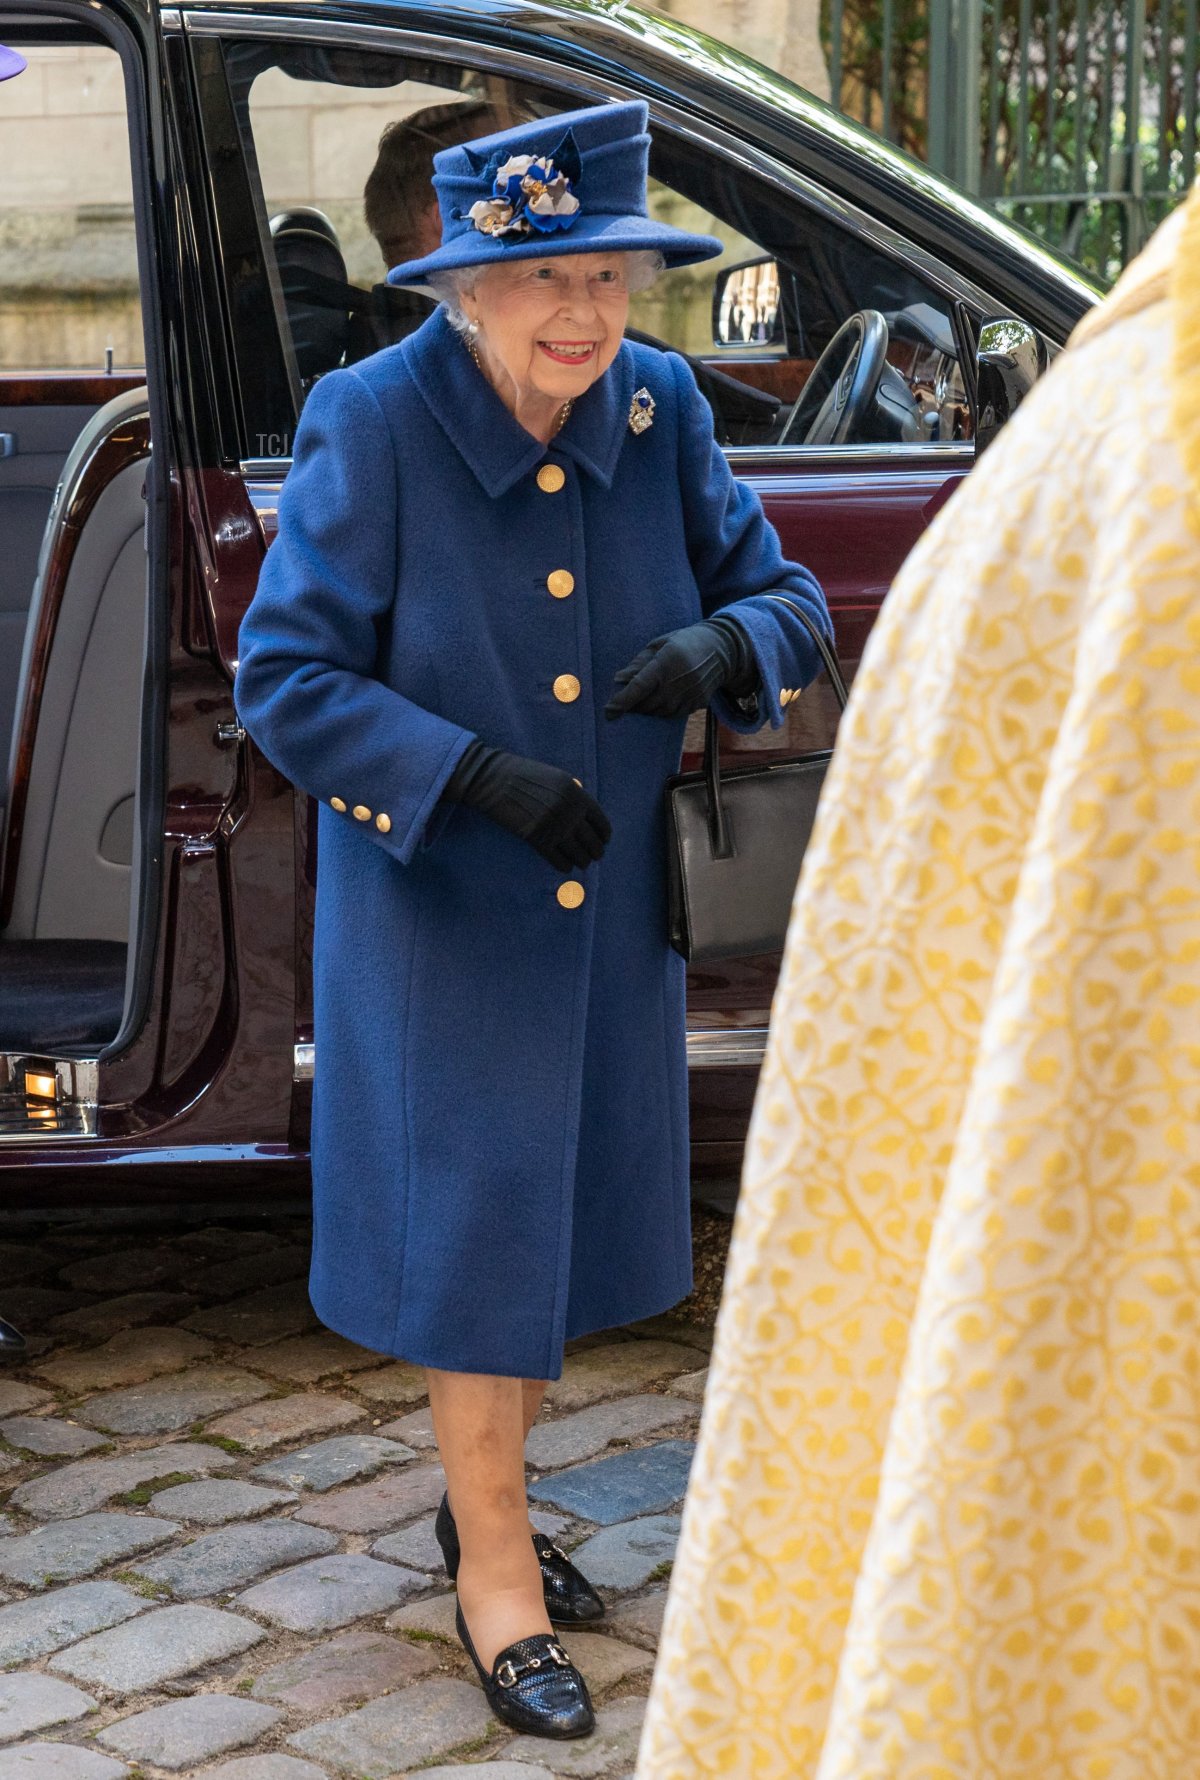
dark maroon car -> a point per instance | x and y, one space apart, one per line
199 206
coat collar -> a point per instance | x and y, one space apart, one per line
495 444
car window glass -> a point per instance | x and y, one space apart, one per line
67 242
339 143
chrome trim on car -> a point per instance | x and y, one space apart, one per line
935 457
731 1047
735 1047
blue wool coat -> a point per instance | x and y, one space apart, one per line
500 1114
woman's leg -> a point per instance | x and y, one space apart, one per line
480 1421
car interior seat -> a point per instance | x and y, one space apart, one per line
76 743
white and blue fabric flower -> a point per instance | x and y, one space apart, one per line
530 192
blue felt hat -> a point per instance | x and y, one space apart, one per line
571 183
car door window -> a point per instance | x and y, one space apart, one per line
338 143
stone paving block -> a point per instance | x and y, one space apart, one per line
16 1398
217 1562
57 1761
398 1384
378 1506
258 1318
615 1738
434 1615
274 1767
669 1328
32 1307
129 1358
588 1431
68 1549
640 1620
331 1462
187 1731
78 1488
643 1481
280 1419
222 1239
691 1384
330 1592
357 1666
43 1623
305 1359
30 1703
163 1405
496 1770
49 1437
415 1428
113 1314
21 1260
248 1273
616 1369
10 1461
127 1270
167 1642
625 1556
402 1729
215 1502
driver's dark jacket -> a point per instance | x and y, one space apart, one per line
500 1150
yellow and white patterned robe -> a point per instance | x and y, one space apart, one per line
944 1516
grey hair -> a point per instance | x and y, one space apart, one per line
643 266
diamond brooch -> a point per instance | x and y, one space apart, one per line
641 410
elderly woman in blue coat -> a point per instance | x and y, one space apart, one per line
511 559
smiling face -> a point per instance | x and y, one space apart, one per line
549 327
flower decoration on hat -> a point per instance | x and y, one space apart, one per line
530 193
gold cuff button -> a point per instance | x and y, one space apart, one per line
550 478
336 803
577 781
383 822
566 688
561 582
785 693
570 894
362 812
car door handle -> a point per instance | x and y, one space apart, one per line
8 444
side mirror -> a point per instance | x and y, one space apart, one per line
747 307
1009 359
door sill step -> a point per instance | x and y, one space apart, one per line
43 1096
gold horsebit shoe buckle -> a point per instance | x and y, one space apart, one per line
555 1653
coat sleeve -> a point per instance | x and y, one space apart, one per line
736 558
305 687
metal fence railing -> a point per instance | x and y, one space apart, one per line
1077 118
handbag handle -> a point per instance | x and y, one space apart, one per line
718 827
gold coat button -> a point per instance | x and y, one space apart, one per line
362 812
550 478
566 688
577 781
785 693
336 803
383 822
561 582
570 894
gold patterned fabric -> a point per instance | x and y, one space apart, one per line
943 1521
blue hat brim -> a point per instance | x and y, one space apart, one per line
11 62
596 234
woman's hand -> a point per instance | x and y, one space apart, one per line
541 804
680 670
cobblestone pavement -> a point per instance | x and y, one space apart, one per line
216 1543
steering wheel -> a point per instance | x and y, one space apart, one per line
841 385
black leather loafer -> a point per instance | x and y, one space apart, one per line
533 1685
570 1597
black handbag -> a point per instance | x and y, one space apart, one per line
735 840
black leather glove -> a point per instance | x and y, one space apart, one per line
680 670
541 804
